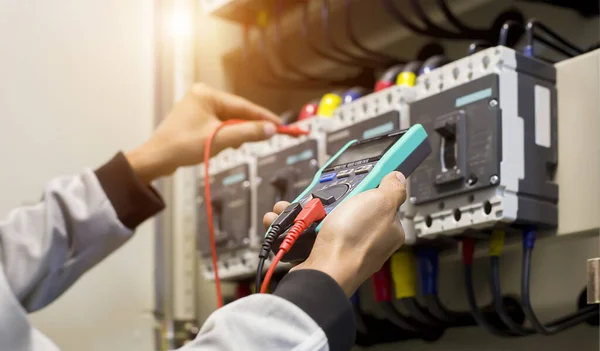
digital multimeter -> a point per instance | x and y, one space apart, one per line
355 168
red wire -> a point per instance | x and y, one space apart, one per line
209 210
269 275
289 130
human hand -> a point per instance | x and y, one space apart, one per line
358 237
179 139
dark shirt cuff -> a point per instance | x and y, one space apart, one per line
317 294
133 201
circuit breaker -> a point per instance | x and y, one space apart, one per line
245 184
233 197
492 122
286 165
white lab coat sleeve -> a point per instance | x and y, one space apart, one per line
47 246
307 312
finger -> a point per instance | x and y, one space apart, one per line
280 206
227 106
268 219
237 134
277 209
393 186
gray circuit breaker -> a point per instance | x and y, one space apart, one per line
232 175
491 119
245 184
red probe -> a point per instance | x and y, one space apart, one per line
312 212
294 131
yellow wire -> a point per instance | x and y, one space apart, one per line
404 273
496 242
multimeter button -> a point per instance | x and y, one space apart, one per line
345 173
327 177
363 169
331 194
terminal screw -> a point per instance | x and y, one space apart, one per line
493 103
314 163
412 199
246 184
494 179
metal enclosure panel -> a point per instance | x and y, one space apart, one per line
578 171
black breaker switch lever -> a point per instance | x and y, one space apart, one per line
451 131
447 130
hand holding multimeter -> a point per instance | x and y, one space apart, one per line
357 169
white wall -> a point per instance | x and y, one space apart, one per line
76 85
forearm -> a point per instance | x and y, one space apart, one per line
308 311
46 247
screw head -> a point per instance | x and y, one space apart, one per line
246 241
472 180
314 163
246 184
494 179
412 200
493 103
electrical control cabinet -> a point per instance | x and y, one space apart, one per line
492 122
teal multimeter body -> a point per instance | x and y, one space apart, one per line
357 167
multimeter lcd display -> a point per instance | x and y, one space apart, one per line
364 150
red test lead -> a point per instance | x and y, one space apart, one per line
312 212
288 130
294 131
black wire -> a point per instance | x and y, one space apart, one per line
262 44
499 304
245 55
325 22
506 29
356 42
431 26
479 44
559 325
399 16
434 306
259 270
437 309
419 314
361 326
453 19
475 310
391 313
534 23
315 49
282 57
509 24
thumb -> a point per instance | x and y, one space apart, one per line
393 186
237 134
